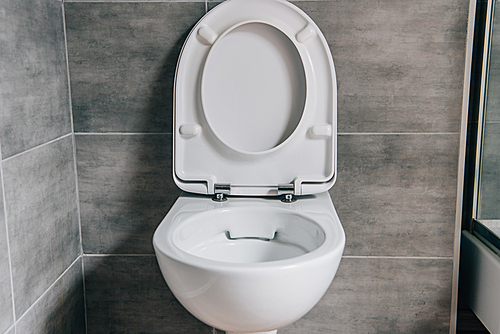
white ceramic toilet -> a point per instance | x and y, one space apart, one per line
254 242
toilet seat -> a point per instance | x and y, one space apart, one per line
215 146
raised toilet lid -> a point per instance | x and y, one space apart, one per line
255 103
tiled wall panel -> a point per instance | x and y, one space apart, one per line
395 194
122 62
40 197
383 295
126 188
6 315
39 179
493 100
399 63
127 294
34 86
489 201
61 309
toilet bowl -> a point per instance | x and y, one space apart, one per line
254 241
249 265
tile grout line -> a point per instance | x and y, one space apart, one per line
10 328
77 190
394 133
397 257
38 146
129 1
121 133
73 132
84 296
116 255
339 133
2 184
344 256
49 288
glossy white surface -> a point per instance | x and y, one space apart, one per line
248 235
255 107
207 34
480 278
257 78
270 332
253 88
306 34
249 285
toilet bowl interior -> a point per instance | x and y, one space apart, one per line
248 235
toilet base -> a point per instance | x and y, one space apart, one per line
271 332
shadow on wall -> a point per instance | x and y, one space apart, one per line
61 311
125 291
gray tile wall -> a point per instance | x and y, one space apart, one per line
383 295
6 307
61 309
489 201
34 85
127 294
41 279
40 206
122 59
122 62
400 72
125 190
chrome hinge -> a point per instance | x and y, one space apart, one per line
288 190
221 190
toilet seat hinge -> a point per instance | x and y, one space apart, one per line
221 190
288 190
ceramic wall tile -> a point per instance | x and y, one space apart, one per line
6 316
395 194
126 188
400 64
10 331
122 62
410 296
34 95
493 88
40 196
489 201
61 309
127 294
68 1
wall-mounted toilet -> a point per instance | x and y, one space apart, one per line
254 241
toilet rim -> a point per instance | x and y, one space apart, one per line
332 245
306 66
